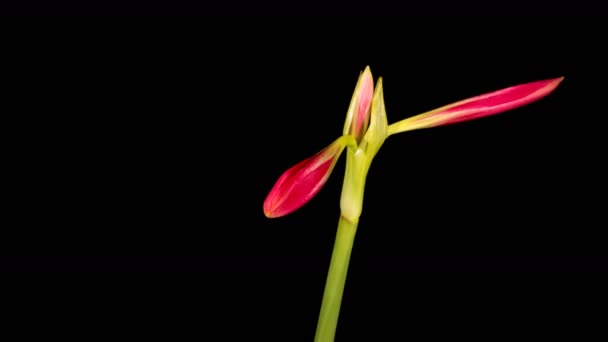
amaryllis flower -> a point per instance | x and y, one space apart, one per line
365 130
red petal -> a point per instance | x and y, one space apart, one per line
302 182
480 106
364 100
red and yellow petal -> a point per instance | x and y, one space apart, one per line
301 182
479 106
359 110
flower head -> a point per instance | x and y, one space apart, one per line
365 130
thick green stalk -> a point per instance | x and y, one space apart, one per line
350 207
336 278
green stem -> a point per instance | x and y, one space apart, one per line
336 278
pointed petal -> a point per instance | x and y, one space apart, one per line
348 122
479 106
363 104
378 126
304 180
357 117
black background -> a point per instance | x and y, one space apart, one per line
150 146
